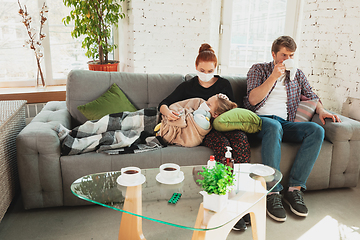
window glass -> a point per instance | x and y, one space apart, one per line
17 62
61 52
255 25
66 52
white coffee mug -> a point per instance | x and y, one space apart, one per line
169 171
289 64
131 174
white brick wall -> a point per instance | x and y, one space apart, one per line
165 35
330 49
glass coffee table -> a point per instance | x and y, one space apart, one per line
253 182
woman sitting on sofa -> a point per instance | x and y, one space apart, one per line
205 85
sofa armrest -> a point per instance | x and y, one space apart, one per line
345 162
38 156
347 130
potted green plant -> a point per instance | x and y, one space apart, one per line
216 184
95 19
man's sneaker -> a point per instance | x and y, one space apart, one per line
240 225
247 219
296 202
275 208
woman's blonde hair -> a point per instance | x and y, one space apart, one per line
224 105
206 54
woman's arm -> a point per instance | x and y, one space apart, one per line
175 96
171 115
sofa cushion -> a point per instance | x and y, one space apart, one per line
238 119
112 101
306 110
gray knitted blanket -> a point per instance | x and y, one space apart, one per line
113 132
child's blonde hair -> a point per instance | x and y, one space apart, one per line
224 105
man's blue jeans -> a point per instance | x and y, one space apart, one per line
275 130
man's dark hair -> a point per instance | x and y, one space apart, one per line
283 41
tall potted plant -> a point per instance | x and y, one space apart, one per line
216 184
95 19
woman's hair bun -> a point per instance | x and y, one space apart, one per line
206 54
206 47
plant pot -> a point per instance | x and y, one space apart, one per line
214 202
112 66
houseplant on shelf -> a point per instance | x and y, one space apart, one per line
216 184
95 19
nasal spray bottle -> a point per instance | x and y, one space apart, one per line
228 160
211 162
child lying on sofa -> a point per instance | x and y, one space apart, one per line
121 130
193 123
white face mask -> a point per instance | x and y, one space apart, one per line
204 106
205 77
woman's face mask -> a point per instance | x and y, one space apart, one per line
205 77
205 71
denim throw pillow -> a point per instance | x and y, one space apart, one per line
112 101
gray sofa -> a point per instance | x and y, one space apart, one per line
46 176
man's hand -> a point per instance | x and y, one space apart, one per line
279 70
325 114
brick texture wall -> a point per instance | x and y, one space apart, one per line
165 35
330 50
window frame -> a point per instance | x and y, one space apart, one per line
294 8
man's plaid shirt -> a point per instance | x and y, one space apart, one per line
259 72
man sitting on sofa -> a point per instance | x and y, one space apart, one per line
274 94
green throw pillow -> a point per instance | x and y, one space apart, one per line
112 101
238 119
